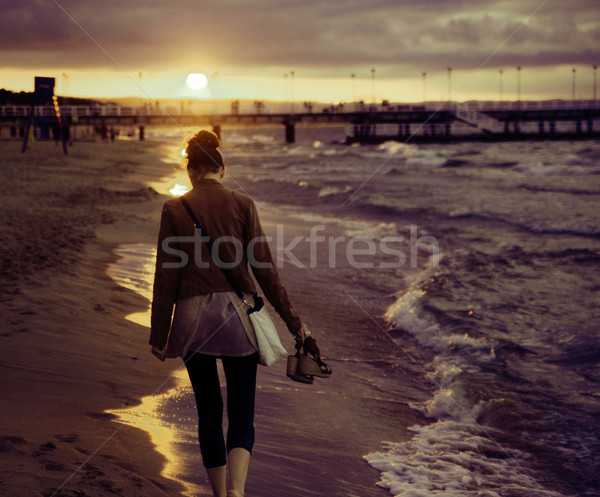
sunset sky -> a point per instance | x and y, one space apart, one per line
99 48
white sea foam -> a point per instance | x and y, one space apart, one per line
395 148
352 227
448 457
236 139
425 158
334 190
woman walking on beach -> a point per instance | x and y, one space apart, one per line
208 322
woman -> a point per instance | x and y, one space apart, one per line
209 321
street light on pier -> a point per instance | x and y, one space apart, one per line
424 88
449 85
519 84
501 85
353 78
141 88
65 79
293 106
285 87
373 85
573 89
213 88
595 66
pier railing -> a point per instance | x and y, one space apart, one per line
478 120
551 119
148 110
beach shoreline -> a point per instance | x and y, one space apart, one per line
79 342
69 354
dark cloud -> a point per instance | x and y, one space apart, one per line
318 37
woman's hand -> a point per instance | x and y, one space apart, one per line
159 352
301 334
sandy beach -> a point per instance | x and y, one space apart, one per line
68 352
69 355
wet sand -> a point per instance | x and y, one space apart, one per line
69 355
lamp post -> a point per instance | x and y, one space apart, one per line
65 80
373 85
449 85
353 78
424 88
595 66
573 89
214 92
501 85
141 90
519 84
285 89
293 106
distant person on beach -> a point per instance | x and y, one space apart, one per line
189 277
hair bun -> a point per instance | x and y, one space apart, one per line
206 139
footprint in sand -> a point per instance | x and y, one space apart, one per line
9 444
67 438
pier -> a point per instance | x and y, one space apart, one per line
429 122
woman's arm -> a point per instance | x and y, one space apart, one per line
166 282
267 276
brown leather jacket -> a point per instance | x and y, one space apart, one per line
185 266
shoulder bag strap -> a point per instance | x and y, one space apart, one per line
206 239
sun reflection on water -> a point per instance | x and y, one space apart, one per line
169 417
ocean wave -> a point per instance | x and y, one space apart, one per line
458 453
557 189
457 163
372 230
566 169
503 165
334 190
427 159
396 148
450 458
592 231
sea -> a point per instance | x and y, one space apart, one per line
503 324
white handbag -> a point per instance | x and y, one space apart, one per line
269 346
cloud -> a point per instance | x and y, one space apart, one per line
315 37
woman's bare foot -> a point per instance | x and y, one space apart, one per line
233 493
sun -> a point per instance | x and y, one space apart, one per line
196 81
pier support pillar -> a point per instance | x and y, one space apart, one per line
590 126
541 127
141 133
552 127
216 129
578 127
448 129
403 129
290 133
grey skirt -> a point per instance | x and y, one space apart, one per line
213 324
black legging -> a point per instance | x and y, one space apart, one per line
240 374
